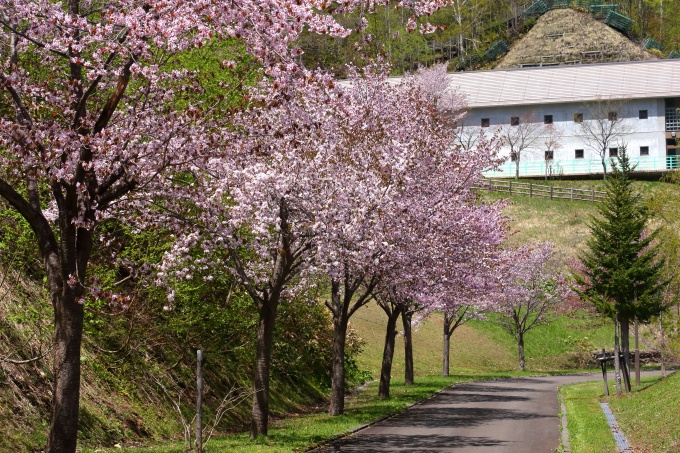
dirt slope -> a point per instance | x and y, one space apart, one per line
567 36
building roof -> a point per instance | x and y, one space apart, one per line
569 83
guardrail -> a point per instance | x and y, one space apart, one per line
553 168
531 189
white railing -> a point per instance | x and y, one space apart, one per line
580 166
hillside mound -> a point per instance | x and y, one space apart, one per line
567 36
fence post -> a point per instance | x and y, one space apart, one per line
551 192
531 189
593 190
510 187
572 194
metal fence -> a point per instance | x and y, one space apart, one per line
531 189
556 168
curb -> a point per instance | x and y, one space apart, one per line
564 433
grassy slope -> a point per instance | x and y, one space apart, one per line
649 418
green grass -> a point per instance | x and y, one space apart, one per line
539 219
588 428
552 346
649 418
472 351
478 346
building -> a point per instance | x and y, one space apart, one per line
640 99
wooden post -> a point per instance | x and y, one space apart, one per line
637 355
510 187
199 400
593 190
551 192
572 194
531 189
603 364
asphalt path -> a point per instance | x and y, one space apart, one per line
503 416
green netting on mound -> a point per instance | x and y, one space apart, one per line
673 54
619 21
495 51
602 11
651 44
557 4
535 9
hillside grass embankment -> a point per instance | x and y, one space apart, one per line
647 416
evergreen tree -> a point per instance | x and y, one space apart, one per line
621 273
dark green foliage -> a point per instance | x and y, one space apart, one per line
621 273
18 246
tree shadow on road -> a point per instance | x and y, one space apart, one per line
417 444
433 417
465 397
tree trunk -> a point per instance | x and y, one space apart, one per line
520 349
617 362
446 348
337 405
604 166
267 309
625 346
68 334
388 353
408 348
74 252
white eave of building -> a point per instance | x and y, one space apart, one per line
568 83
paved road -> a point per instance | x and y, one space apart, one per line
504 416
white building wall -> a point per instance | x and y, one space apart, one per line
648 132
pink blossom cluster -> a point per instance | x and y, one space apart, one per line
360 179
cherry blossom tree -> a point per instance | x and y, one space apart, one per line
530 291
454 317
442 239
373 161
356 240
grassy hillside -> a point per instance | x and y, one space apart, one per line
650 417
134 385
647 416
480 346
